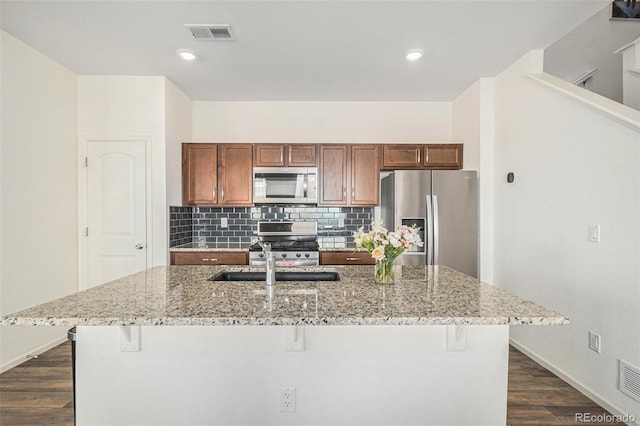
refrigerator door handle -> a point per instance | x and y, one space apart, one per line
436 230
428 232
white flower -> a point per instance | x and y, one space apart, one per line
378 253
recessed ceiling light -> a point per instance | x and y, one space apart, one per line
187 55
414 54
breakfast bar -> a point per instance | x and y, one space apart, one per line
173 346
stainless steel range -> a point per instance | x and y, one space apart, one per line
294 243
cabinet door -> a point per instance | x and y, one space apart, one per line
208 258
401 157
301 156
268 155
199 174
236 175
345 258
443 156
365 175
333 175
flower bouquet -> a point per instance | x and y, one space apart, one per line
386 246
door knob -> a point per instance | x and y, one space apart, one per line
139 246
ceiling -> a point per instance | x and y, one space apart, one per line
298 50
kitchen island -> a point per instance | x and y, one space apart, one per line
169 346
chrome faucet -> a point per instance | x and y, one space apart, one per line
270 262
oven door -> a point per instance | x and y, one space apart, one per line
285 185
256 258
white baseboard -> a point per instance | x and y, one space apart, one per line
37 351
570 380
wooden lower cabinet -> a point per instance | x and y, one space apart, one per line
209 258
346 258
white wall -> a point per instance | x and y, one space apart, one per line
178 121
343 375
39 249
472 124
322 122
574 166
631 75
120 106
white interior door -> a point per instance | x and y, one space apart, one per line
116 210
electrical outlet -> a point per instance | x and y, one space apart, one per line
341 222
594 341
223 222
594 233
288 400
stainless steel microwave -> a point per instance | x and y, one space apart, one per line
285 185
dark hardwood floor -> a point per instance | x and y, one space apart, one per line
538 397
39 392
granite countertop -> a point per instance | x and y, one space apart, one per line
183 295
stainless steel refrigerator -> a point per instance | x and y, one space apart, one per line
443 205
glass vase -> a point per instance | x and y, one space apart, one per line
384 272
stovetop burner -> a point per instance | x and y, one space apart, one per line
287 245
288 236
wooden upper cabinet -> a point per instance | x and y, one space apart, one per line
333 175
443 156
235 175
401 156
365 175
429 156
301 155
268 155
349 175
217 174
199 174
275 155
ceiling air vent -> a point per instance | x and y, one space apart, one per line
211 31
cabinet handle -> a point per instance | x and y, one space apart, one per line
222 192
352 259
353 194
214 193
282 156
289 154
344 193
426 155
419 151
206 259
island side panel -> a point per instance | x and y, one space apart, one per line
345 375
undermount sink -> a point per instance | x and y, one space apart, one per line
280 276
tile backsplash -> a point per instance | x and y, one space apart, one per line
204 224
